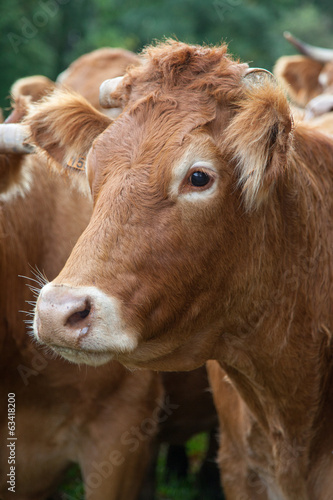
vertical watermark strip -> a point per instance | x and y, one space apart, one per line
11 444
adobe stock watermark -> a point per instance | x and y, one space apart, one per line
224 7
38 362
11 443
29 28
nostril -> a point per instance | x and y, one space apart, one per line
78 317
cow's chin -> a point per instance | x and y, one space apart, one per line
153 355
83 357
137 359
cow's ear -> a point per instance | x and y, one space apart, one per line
299 75
259 135
64 125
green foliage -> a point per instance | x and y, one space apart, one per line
175 489
72 487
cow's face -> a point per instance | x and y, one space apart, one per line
144 278
153 279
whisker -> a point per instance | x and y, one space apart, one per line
40 275
28 313
33 288
28 278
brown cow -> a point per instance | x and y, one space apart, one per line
102 418
196 411
217 245
308 80
308 76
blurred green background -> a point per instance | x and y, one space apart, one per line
44 36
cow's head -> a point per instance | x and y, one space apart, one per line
179 182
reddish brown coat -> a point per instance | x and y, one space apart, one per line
240 271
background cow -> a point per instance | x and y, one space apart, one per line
308 80
88 72
84 75
217 245
308 75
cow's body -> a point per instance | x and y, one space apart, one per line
323 123
217 245
250 460
63 414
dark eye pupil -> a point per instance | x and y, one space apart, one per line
199 179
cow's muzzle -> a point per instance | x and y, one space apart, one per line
83 324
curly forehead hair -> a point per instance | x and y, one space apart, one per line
176 65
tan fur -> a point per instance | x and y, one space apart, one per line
300 75
263 146
212 279
323 123
35 87
326 77
304 78
88 72
75 110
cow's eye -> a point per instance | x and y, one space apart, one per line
199 179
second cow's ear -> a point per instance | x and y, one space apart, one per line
64 125
299 75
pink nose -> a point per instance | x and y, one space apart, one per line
63 315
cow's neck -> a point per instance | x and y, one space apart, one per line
284 384
278 347
287 391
